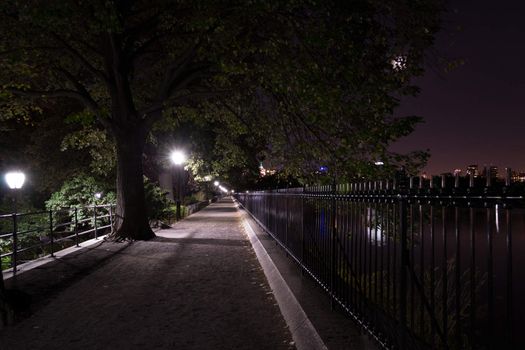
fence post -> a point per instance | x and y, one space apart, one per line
286 209
111 217
403 275
333 227
51 232
95 221
76 227
14 254
303 248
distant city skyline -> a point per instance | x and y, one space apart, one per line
474 114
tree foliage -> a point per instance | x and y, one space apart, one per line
302 83
35 146
79 192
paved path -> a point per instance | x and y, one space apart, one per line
196 286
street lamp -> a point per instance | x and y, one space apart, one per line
178 158
15 180
216 183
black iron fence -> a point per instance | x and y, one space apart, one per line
419 264
27 236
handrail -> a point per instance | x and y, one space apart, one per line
21 242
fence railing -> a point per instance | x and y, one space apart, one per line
417 264
27 236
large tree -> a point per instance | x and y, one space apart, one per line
310 77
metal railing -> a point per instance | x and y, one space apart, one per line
28 236
418 264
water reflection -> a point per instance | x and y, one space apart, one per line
497 217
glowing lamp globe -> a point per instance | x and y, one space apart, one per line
15 180
178 157
216 183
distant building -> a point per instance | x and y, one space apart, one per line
473 169
491 171
517 177
265 172
457 172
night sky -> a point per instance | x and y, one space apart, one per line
474 114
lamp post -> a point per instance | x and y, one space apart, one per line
15 181
178 158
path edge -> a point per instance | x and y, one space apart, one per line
303 331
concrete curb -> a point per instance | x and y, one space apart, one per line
303 332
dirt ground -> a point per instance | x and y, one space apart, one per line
196 286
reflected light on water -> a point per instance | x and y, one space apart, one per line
497 218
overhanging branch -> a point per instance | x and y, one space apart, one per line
80 58
63 93
46 93
29 48
86 96
154 112
175 69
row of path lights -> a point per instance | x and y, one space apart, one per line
222 188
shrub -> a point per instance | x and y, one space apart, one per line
158 206
78 193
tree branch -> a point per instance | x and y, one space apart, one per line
88 100
80 58
175 69
29 48
142 49
46 93
153 113
62 93
184 80
234 112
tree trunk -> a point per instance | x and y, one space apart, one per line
131 221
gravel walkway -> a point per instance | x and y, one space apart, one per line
196 286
